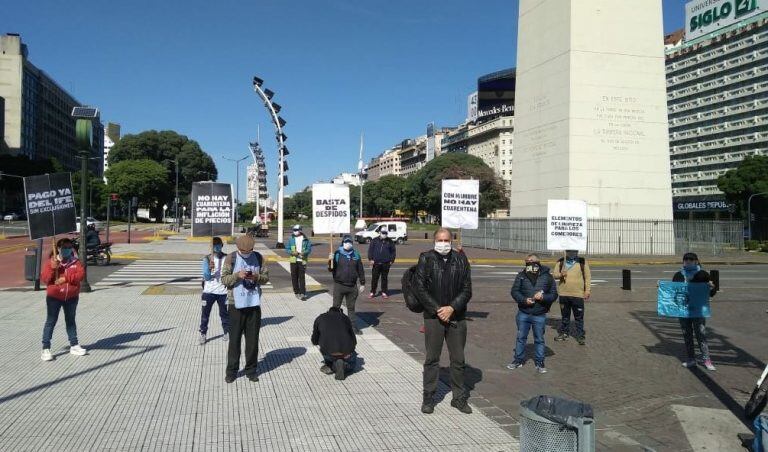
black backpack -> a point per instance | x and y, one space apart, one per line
411 302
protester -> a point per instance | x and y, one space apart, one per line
92 239
443 284
574 280
243 273
214 292
334 334
299 247
381 255
62 275
534 290
347 267
692 273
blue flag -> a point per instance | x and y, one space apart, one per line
687 300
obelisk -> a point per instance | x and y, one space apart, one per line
591 109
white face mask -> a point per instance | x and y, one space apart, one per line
245 255
297 233
383 236
443 247
347 246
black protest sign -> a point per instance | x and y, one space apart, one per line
50 205
212 209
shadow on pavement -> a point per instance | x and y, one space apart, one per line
276 358
371 318
275 320
116 342
722 352
472 376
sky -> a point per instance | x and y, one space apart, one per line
339 68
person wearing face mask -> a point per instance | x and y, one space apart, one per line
299 247
443 284
692 273
214 292
574 279
62 275
381 255
243 273
346 265
534 290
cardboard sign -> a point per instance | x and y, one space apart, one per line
330 209
50 205
461 203
686 300
566 225
212 209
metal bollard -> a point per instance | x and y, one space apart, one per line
715 277
426 235
626 279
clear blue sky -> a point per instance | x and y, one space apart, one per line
338 67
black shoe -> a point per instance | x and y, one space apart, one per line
253 377
357 330
461 405
229 379
581 340
326 370
303 297
428 405
338 368
561 337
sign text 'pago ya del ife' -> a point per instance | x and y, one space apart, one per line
50 205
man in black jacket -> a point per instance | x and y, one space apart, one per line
443 284
692 273
347 267
381 254
534 290
334 334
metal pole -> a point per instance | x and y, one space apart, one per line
38 263
130 215
84 286
109 204
178 224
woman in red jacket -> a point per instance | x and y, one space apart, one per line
62 275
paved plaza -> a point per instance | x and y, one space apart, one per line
147 385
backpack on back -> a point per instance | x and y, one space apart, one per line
411 301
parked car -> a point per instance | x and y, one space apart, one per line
397 231
11 216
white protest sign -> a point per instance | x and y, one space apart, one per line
461 203
330 209
566 225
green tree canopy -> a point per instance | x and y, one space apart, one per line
749 178
300 203
424 188
145 179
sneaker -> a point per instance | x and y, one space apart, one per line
46 355
688 364
428 405
225 337
708 364
201 339
297 295
581 340
561 337
371 295
229 379
384 295
514 365
541 369
253 377
325 369
338 369
77 350
461 405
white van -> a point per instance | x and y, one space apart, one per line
397 231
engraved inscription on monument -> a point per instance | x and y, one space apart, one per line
619 122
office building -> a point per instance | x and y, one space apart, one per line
111 136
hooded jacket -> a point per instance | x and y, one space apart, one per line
347 269
72 272
523 288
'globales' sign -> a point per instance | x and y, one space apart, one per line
706 205
705 16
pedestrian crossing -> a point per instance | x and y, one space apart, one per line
174 273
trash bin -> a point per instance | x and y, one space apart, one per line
552 424
30 262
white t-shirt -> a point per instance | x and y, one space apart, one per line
299 243
215 286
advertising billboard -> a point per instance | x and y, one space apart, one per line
496 95
705 16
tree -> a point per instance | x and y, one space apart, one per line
388 196
424 188
300 203
164 147
97 194
145 179
751 177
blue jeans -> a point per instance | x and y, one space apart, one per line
209 299
349 362
524 324
53 308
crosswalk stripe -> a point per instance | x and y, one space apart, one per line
184 274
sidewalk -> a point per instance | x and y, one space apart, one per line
147 385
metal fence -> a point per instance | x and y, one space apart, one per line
615 236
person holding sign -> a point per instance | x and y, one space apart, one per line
574 280
346 264
299 247
214 292
443 284
62 275
692 273
243 273
534 290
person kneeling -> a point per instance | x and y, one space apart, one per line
334 334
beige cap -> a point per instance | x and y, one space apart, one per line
245 243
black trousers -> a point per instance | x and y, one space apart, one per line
246 321
347 295
298 278
435 332
383 271
575 304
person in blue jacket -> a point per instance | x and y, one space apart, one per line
534 290
381 255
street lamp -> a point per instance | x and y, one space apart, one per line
84 117
273 109
237 178
749 210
